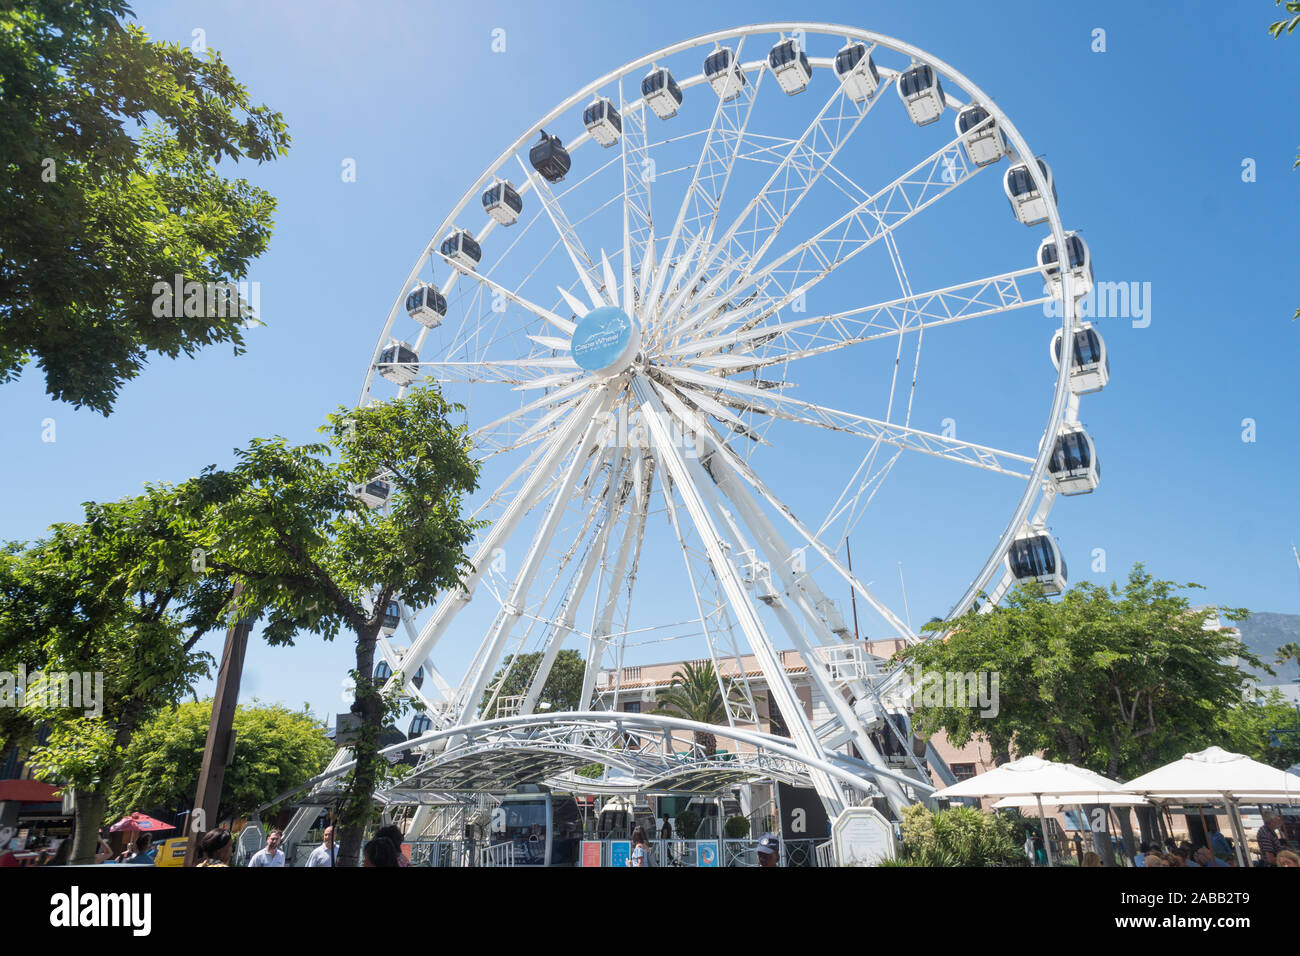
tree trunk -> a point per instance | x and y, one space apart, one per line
89 817
358 807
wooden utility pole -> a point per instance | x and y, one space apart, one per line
220 746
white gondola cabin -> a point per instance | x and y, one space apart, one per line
392 618
374 492
1027 202
603 121
462 250
980 136
857 72
383 671
399 363
1090 370
1035 556
1080 265
724 73
922 93
661 92
427 305
549 157
790 66
501 201
1074 465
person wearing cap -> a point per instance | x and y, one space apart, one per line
769 850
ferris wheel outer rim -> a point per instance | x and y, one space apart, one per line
1036 490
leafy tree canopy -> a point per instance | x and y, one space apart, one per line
1119 681
563 688
275 749
109 144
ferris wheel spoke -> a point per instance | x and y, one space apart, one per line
817 335
890 433
594 404
634 491
574 596
522 372
476 680
792 180
741 468
638 217
564 325
714 620
582 262
698 214
852 233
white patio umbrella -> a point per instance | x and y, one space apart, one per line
1036 778
1215 774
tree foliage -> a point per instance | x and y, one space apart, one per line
696 694
314 558
109 146
275 749
960 836
1119 681
563 688
114 597
1267 730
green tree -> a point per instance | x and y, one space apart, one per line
275 749
1267 730
696 694
1279 27
563 688
1119 681
109 146
1286 653
314 558
116 598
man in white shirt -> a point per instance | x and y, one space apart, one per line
271 854
324 854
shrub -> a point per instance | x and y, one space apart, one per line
737 828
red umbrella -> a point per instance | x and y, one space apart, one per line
141 822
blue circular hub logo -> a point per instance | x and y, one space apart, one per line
605 340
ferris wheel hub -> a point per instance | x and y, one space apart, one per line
606 341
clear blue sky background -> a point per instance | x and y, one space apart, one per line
1146 140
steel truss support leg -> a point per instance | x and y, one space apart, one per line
801 732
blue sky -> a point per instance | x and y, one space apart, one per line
1147 142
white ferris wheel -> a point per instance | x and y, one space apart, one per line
693 355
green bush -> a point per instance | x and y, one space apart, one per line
737 828
959 836
688 821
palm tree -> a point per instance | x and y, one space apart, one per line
696 694
1288 652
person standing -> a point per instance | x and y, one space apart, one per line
271 854
326 853
640 848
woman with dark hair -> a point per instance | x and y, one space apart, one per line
392 834
640 848
380 852
214 848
